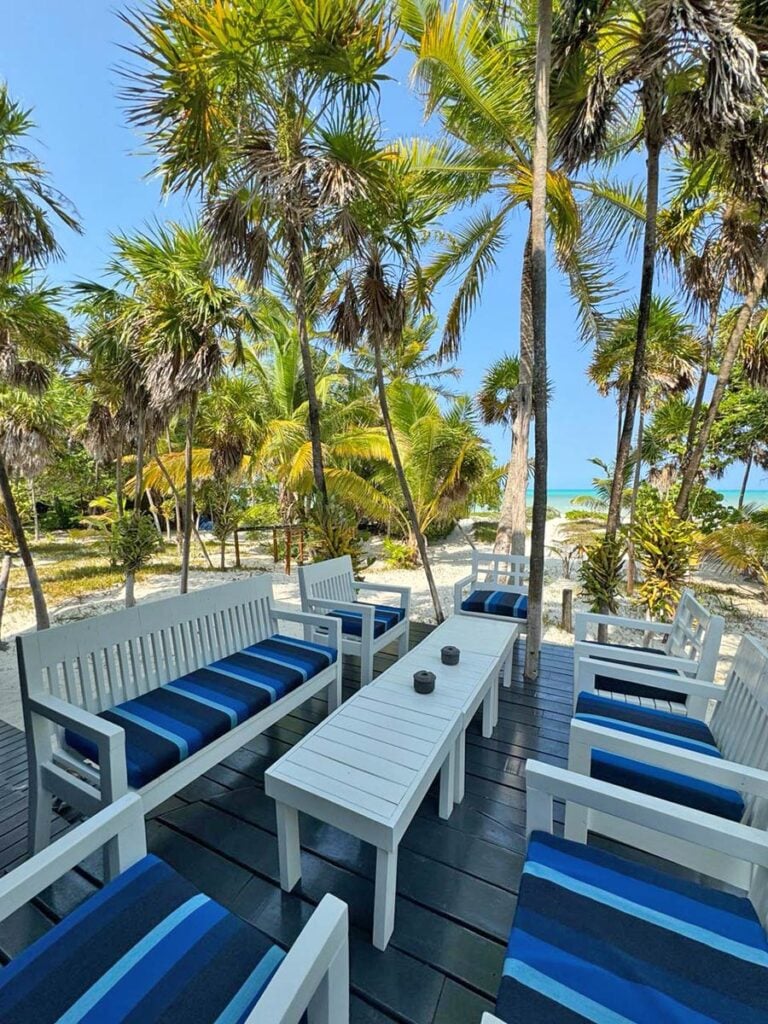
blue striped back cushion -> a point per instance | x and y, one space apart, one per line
635 689
384 618
497 602
598 938
147 947
168 724
650 723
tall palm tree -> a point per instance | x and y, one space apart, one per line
475 64
264 113
33 337
648 73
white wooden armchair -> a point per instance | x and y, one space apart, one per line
721 766
496 587
151 697
691 645
150 944
599 937
330 588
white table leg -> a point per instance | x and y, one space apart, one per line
488 713
288 845
496 685
460 769
384 900
508 670
447 775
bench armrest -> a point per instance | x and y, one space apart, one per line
367 611
314 974
122 821
387 588
329 622
588 736
590 668
458 590
583 620
546 783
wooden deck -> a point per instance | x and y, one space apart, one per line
457 879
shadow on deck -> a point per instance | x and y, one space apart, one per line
457 879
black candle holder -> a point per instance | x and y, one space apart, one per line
450 655
423 681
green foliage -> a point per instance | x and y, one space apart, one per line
399 555
225 505
601 573
742 548
708 510
333 532
63 515
667 548
485 533
133 542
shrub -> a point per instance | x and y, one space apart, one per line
667 548
742 548
485 533
601 573
133 542
399 555
332 533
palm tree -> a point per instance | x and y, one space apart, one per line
602 51
412 360
264 113
33 336
475 64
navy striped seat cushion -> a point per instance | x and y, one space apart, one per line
148 947
172 722
636 689
384 618
650 723
497 602
598 938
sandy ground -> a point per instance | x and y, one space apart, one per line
451 559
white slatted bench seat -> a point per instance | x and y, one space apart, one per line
330 588
151 697
150 947
720 767
497 587
691 649
597 937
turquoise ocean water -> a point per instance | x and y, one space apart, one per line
562 499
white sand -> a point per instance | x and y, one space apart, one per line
451 560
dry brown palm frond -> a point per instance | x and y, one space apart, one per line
226 457
34 377
100 436
239 241
23 448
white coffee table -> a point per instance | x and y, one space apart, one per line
366 770
368 766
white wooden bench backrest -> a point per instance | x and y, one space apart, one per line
695 634
740 720
513 570
102 661
331 580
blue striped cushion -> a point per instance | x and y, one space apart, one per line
598 938
497 602
636 689
168 724
667 785
652 724
147 948
385 617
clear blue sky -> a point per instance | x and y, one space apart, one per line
60 58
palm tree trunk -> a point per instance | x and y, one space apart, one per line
238 564
693 464
652 93
130 576
539 308
633 502
511 531
35 516
5 577
223 553
413 516
119 474
188 484
744 482
20 538
701 389
177 498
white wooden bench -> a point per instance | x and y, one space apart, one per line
697 943
72 674
72 972
691 649
497 587
330 588
737 732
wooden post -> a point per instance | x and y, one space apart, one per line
301 545
566 620
275 551
287 551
